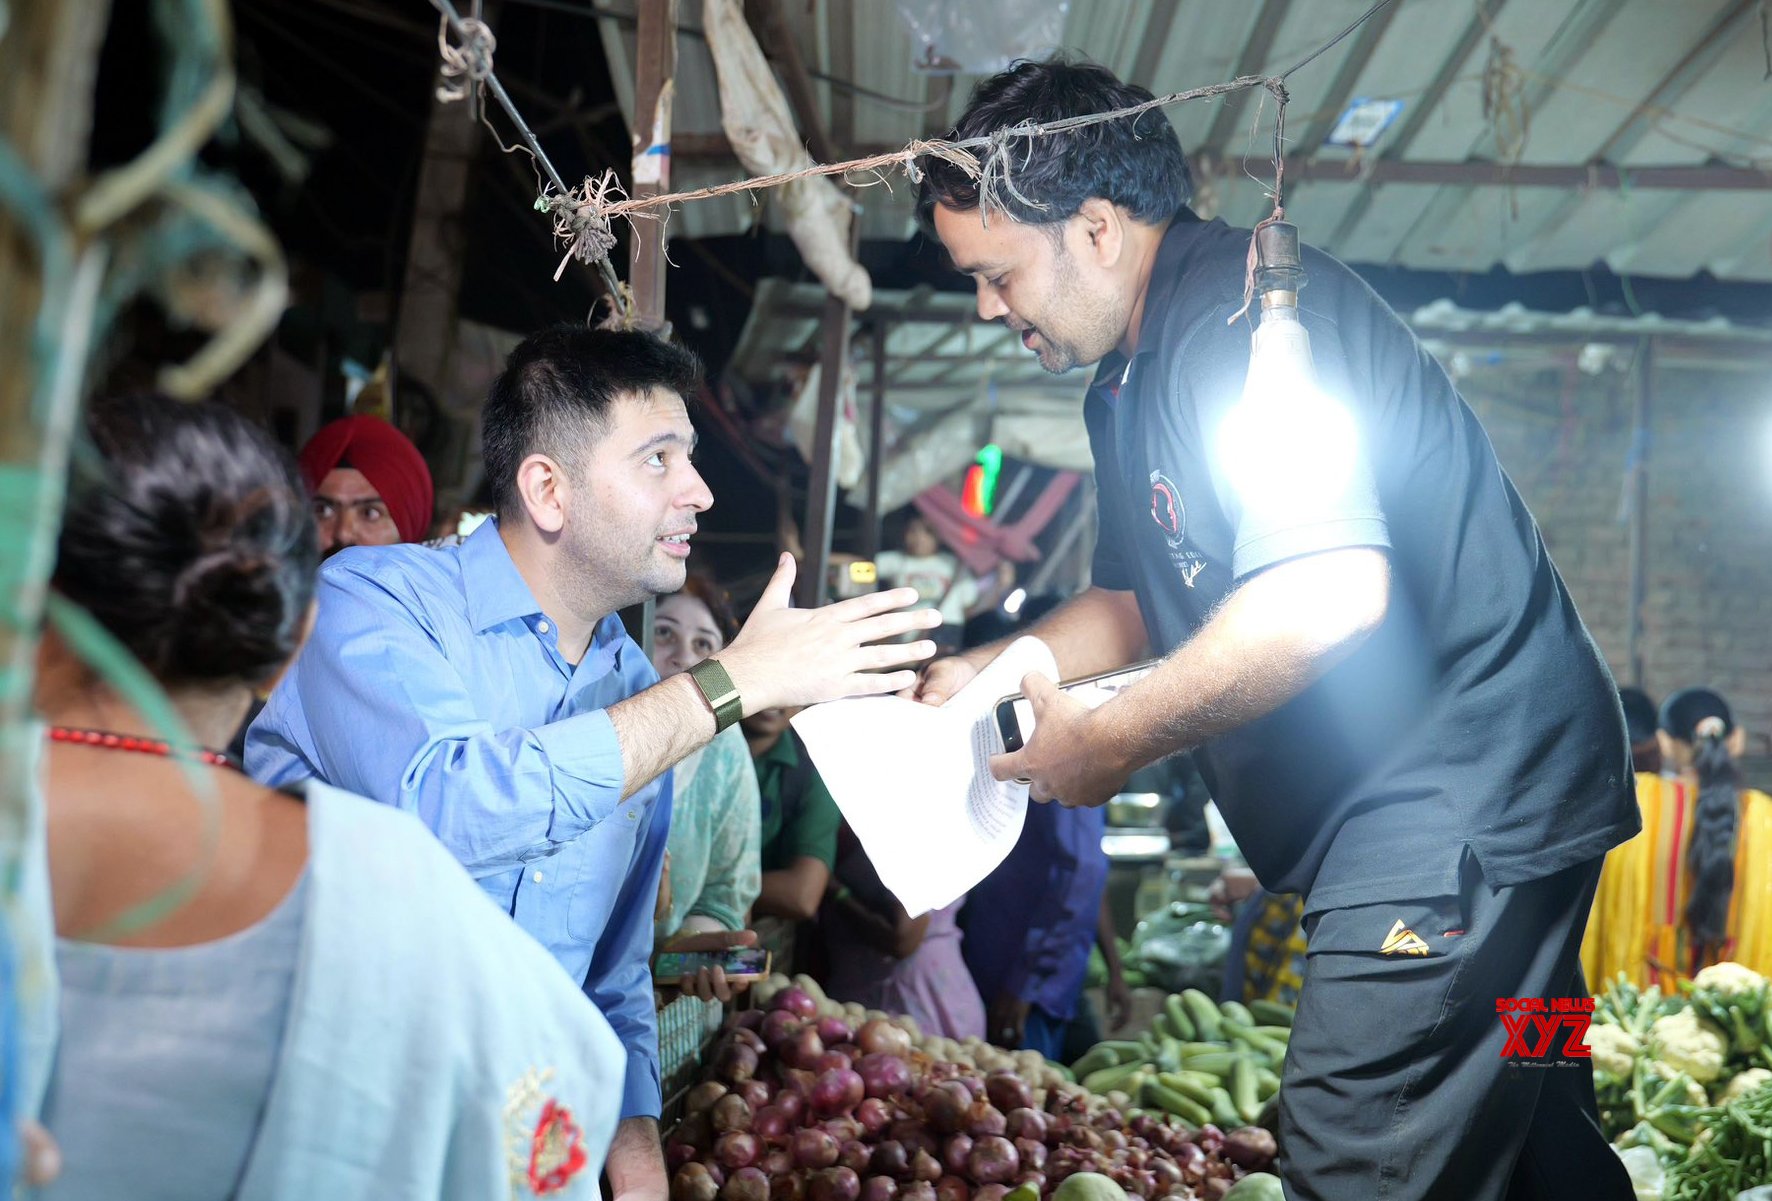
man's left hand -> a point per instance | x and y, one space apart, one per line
1066 760
1119 1001
711 984
1006 1024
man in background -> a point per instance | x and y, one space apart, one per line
369 483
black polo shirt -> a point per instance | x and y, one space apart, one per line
1480 714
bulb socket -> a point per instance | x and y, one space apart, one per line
1278 265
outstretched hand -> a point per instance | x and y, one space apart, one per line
786 657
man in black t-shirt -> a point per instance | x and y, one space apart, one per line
1382 677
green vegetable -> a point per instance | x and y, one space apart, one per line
1257 1186
1087 1186
1271 1013
1218 1063
1180 1024
1108 1079
1734 1153
1195 1086
1244 1090
1266 1083
1094 1060
1235 1012
1170 1100
1205 1014
1684 1043
1224 1110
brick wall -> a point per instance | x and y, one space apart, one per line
1564 437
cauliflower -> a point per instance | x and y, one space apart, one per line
1729 980
1614 1050
1750 1081
1661 1073
1680 1042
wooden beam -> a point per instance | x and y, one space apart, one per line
655 57
821 496
870 525
840 37
1150 47
1347 78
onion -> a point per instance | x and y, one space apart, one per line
880 1037
889 1159
954 1153
842 1129
772 1124
693 1183
1027 1123
788 1186
1167 1175
837 1091
730 1113
874 1115
994 1160
884 1075
1008 1091
834 1184
1032 1152
834 1030
855 1155
756 1093
737 1149
914 1135
1209 1138
831 1061
814 1149
974 1085
791 1103
952 1188
1114 1140
991 1192
679 1155
1250 1148
748 1019
875 1188
917 1190
749 1038
983 1118
735 1063
746 1184
695 1131
716 1171
796 1001
925 1166
701 1098
802 1048
945 1107
1033 1180
778 1026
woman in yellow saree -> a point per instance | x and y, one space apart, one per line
1695 886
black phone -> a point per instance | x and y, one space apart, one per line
1015 714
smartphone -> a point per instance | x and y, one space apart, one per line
1015 714
740 963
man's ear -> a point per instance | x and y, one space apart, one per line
544 492
1104 231
1736 743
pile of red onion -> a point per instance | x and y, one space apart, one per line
798 1107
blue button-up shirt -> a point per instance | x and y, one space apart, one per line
1029 925
434 682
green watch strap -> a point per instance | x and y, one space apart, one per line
718 690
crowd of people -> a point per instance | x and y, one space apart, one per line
403 947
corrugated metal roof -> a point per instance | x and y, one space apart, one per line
1581 71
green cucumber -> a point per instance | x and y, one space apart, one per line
1170 1101
1271 1013
1218 1064
1199 1007
1234 1011
1094 1060
1224 1110
1244 1090
1182 1026
1196 1087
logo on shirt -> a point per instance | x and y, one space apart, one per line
1170 514
1403 941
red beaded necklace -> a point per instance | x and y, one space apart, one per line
105 740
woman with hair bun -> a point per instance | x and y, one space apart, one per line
268 994
1695 886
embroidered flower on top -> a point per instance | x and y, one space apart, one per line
544 1154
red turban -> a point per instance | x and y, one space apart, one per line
388 460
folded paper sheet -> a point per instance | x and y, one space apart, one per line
914 781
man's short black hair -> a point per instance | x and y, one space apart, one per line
553 396
1640 714
1134 162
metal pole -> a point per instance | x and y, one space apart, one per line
1639 508
870 525
821 497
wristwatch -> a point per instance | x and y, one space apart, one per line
718 690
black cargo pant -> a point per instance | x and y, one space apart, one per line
1396 1088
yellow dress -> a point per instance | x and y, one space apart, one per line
1638 921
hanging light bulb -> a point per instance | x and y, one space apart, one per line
1286 445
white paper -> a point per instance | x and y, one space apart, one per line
914 781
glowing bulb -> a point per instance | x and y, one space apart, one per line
1013 602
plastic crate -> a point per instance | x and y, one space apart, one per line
685 1029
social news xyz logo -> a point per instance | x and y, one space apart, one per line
1532 1024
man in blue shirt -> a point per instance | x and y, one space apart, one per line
489 687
